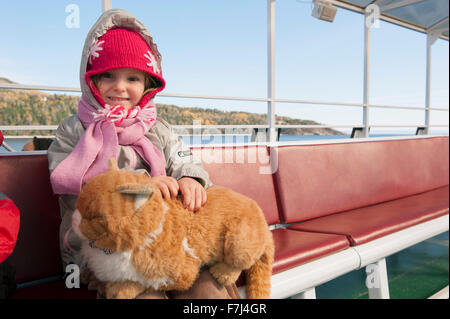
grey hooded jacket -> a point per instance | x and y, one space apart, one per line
178 160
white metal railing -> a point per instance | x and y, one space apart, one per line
228 98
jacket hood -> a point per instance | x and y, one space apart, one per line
114 18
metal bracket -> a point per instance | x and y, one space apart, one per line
257 136
358 132
422 130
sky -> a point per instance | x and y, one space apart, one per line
218 47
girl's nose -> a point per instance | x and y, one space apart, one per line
119 85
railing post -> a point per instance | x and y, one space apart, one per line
307 294
433 33
430 41
271 69
428 84
106 5
366 77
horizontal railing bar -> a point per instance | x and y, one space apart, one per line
358 104
420 108
412 125
28 127
204 127
315 126
316 102
218 126
37 87
213 97
231 98
12 137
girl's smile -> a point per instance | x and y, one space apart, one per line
123 86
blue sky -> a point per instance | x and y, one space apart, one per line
215 47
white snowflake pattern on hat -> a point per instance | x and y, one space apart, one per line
153 63
93 52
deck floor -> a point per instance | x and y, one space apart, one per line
414 273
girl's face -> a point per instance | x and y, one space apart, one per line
122 87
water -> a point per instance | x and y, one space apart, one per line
18 143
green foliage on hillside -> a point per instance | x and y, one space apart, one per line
18 107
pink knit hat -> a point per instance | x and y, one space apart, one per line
123 48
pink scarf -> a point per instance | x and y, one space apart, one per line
106 129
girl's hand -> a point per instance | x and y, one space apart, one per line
194 194
167 185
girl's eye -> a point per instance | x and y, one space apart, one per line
106 76
133 78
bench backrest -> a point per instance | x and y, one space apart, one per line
25 180
244 169
317 180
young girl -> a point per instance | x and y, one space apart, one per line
120 74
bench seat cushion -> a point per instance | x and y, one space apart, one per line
293 248
368 223
53 290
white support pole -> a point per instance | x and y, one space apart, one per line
307 294
271 69
428 83
377 280
366 78
106 5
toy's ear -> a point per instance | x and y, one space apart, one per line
134 188
113 164
142 192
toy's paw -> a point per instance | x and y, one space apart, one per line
123 290
224 274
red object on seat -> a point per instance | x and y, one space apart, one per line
9 227
368 223
1 138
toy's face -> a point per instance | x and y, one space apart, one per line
110 209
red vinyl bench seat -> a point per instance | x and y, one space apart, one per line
368 223
294 248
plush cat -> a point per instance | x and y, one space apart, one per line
134 239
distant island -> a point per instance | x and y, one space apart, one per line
28 107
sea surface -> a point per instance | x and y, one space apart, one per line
18 143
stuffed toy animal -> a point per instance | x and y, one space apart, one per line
134 239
